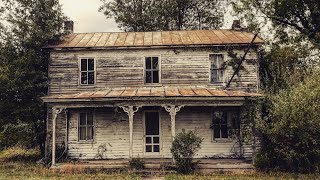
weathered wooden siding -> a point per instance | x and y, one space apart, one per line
113 134
125 68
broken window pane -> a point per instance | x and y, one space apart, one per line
155 63
217 69
84 65
90 64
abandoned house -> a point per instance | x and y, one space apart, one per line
125 95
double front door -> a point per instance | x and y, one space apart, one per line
152 132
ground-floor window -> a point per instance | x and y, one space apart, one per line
86 126
225 123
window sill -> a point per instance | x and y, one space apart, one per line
152 85
222 140
86 86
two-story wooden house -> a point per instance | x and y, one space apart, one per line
123 95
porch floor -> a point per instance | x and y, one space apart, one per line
204 166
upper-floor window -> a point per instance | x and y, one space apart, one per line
216 68
152 70
87 72
86 126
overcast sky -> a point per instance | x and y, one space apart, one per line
86 17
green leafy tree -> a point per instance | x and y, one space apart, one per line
292 129
294 19
153 15
30 26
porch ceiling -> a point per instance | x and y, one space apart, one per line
155 93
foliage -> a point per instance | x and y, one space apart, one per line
154 15
184 147
294 19
136 163
61 156
292 128
30 26
19 154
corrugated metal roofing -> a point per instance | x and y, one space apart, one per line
165 38
131 92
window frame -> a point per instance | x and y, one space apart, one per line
229 124
93 126
151 154
145 70
224 69
94 71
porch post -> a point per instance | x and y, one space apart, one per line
172 109
55 112
130 110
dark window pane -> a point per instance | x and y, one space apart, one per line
148 63
216 130
152 123
90 119
217 116
214 76
156 148
90 133
148 140
220 76
213 64
224 131
156 140
91 65
84 78
148 148
82 133
155 76
148 77
91 78
155 64
224 119
82 119
83 64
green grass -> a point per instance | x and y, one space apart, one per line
17 163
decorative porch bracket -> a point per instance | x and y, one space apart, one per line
55 112
130 110
172 109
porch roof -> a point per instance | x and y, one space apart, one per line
155 93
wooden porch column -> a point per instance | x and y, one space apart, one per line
172 109
130 110
55 112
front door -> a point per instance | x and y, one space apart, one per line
152 132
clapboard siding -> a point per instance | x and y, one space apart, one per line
125 68
113 134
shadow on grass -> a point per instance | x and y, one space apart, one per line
18 154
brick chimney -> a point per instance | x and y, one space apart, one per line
236 25
68 26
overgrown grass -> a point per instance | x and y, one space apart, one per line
18 163
19 154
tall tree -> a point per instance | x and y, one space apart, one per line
31 25
294 19
153 15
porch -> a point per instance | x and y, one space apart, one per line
160 166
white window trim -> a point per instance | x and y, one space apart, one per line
144 71
224 72
151 154
95 72
94 126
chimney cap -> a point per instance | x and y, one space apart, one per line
68 26
236 25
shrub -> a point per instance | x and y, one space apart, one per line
136 163
291 131
184 147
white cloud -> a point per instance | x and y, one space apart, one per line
86 17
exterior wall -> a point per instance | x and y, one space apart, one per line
125 68
112 134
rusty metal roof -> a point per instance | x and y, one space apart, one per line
149 39
138 92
